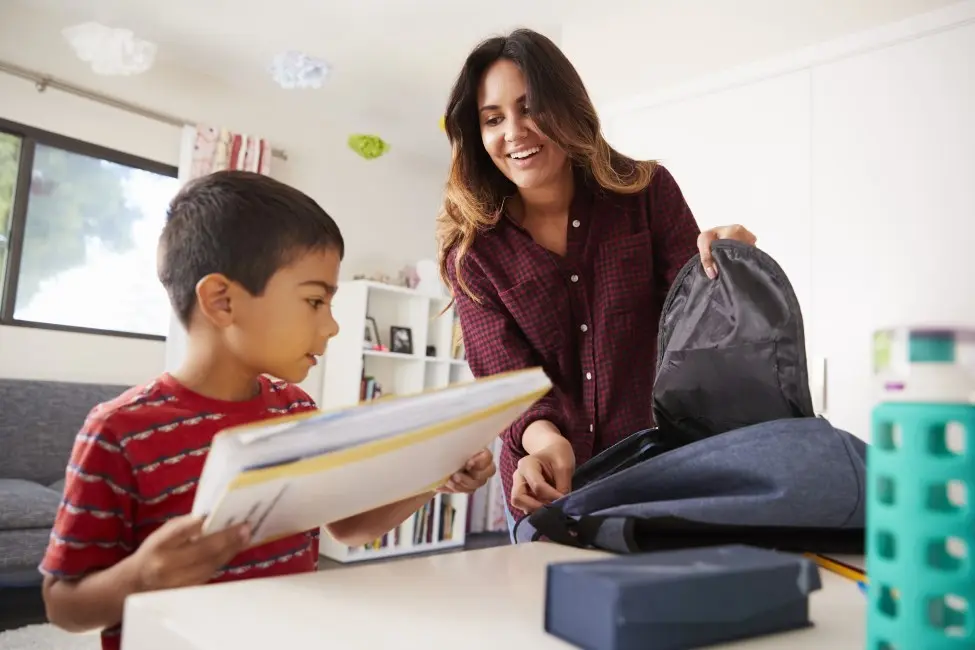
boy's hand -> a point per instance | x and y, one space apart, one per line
478 469
178 555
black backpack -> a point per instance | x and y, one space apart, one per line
738 454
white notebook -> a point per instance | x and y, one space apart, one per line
299 472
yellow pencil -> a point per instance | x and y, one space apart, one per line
838 569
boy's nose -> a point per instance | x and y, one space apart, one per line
331 328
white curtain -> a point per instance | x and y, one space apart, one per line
204 150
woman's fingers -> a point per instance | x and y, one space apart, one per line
538 481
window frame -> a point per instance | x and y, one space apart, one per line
30 137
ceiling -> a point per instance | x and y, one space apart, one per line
392 61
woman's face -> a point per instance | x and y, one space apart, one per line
522 152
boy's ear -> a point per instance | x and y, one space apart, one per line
214 294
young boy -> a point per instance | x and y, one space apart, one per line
250 266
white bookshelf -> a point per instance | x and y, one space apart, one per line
439 525
442 523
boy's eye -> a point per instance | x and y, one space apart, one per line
316 303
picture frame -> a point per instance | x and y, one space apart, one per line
401 340
370 337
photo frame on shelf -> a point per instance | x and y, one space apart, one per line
371 340
401 340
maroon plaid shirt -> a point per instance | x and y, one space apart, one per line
589 319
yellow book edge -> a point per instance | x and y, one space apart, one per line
364 451
382 399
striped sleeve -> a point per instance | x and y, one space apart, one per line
93 529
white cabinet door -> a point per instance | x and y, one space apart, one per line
740 156
893 202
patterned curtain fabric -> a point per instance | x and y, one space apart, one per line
212 149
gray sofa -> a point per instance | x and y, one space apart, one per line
38 424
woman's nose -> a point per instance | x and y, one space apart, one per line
516 130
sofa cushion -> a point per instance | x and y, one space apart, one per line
21 551
39 421
24 504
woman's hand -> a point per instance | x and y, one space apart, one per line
543 476
704 240
476 473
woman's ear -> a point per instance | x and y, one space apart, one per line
213 299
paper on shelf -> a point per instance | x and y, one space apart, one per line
299 472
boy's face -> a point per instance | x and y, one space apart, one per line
283 331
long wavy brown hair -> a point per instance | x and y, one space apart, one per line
561 109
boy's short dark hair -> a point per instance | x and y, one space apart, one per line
244 225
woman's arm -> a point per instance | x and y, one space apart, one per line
495 344
676 235
674 230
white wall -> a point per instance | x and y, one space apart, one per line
850 161
386 207
635 48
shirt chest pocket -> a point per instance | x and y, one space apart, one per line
539 305
624 275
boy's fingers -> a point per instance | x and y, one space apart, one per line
480 460
482 474
461 482
221 546
179 530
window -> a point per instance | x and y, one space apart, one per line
78 232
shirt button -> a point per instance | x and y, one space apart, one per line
590 428
576 223
584 327
588 375
574 277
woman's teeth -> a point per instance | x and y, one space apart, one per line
526 153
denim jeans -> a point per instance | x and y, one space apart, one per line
511 521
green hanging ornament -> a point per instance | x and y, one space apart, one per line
367 146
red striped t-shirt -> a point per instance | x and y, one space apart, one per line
136 463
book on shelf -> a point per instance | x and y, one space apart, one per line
431 524
369 388
299 472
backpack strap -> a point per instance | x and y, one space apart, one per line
614 534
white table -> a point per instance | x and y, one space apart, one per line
491 598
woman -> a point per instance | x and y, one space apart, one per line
559 252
